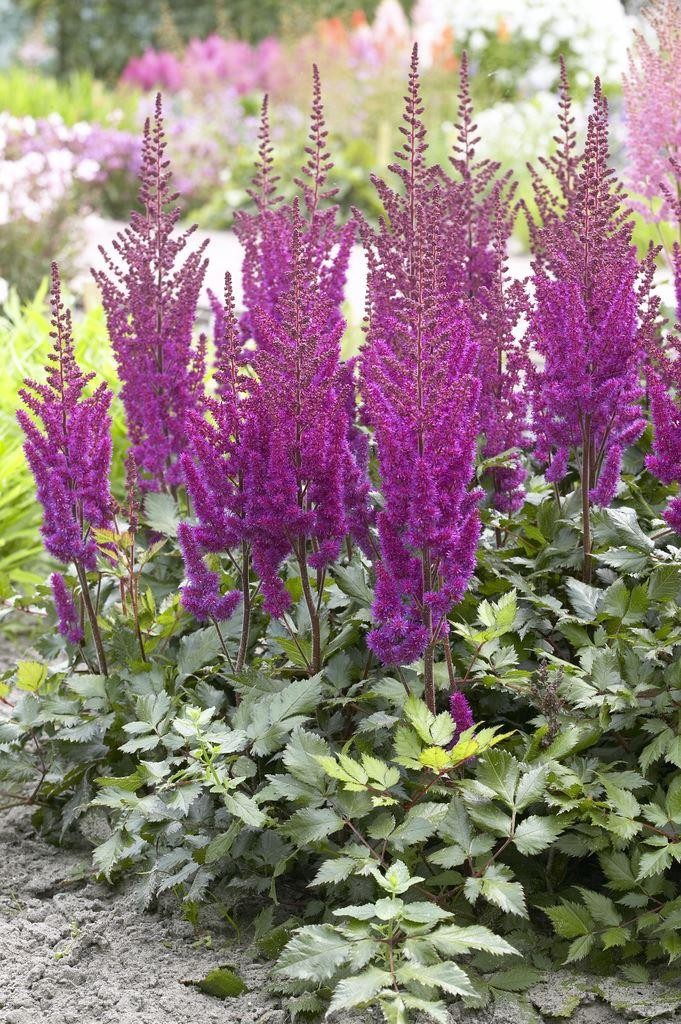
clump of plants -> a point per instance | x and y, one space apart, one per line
389 647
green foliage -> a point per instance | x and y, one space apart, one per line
424 866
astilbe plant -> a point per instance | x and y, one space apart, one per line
214 471
150 290
591 321
652 99
479 216
68 448
421 394
284 474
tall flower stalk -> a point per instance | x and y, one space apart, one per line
421 394
479 216
68 448
590 322
150 290
214 470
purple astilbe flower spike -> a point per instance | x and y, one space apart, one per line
590 324
214 470
150 290
67 615
421 394
304 475
461 712
479 219
267 234
68 448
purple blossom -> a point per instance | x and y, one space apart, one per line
68 446
478 222
421 394
213 469
150 294
462 714
303 474
68 619
592 319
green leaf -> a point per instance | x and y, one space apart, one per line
429 728
361 988
222 844
579 948
531 786
453 940
500 772
332 872
222 983
424 913
601 908
298 698
30 675
314 953
162 513
534 834
310 825
446 976
664 583
196 650
245 808
352 582
584 599
570 920
655 862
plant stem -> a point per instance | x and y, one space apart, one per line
246 601
586 502
316 662
96 635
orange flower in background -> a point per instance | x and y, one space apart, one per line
503 34
332 32
442 51
358 19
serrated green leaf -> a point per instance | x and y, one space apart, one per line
314 953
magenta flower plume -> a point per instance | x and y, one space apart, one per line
68 446
421 394
267 234
304 464
68 620
479 217
213 471
299 453
150 292
461 712
592 317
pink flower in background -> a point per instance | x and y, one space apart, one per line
652 99
154 70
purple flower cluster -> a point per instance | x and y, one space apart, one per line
279 466
68 619
421 394
214 473
478 220
150 291
68 446
589 324
462 714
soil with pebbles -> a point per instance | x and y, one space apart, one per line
76 951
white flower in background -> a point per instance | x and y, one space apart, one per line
595 32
